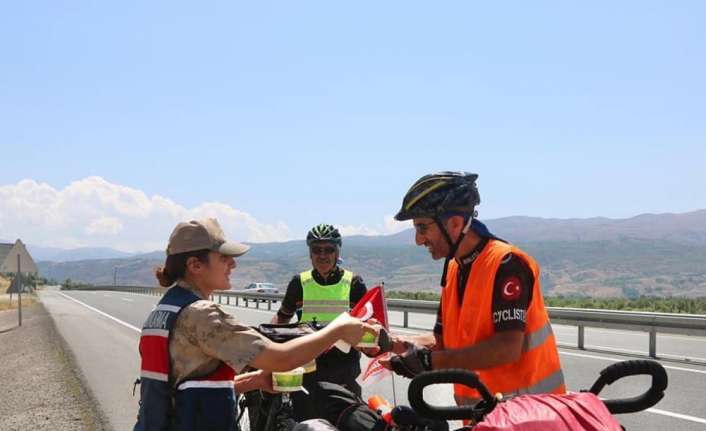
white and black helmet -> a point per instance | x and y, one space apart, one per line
323 233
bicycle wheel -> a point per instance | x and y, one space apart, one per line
253 411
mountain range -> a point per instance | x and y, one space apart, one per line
650 254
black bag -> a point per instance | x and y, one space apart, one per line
283 333
344 409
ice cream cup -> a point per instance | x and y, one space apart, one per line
288 381
368 340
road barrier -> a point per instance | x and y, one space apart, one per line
652 323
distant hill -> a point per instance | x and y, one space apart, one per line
686 228
659 254
63 255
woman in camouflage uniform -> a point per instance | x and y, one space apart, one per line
192 349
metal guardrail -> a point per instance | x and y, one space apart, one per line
652 323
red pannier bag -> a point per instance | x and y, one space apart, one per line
575 411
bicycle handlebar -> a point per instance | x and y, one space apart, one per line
633 368
608 376
458 376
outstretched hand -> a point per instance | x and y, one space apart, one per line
409 364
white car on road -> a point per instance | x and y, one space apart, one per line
261 288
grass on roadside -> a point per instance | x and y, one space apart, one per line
28 299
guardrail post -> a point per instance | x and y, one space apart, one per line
257 303
269 305
653 343
405 323
236 300
228 300
581 337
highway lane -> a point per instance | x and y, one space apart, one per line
631 342
106 352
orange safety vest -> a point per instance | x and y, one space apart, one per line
538 370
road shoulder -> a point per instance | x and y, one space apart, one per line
41 386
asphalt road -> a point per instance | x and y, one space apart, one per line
102 329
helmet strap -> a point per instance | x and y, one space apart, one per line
453 246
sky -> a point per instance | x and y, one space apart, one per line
119 119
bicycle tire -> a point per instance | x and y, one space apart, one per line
242 418
252 412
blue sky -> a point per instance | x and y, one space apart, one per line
291 113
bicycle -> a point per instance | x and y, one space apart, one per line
482 416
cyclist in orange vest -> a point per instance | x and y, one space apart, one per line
491 316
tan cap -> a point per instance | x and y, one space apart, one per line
203 234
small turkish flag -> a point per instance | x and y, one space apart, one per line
372 305
374 371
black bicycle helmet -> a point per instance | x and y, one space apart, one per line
437 194
323 232
442 194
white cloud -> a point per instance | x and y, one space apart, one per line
104 225
394 226
348 230
95 212
389 226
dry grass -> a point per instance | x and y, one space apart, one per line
28 300
4 284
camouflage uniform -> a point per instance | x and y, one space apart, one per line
204 334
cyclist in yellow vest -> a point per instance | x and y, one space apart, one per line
321 294
491 316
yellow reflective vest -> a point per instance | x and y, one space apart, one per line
324 303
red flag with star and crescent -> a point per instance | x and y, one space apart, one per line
373 306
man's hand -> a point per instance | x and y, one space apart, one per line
410 363
399 344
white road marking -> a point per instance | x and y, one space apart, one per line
127 299
115 319
678 416
604 358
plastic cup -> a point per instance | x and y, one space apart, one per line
310 367
368 340
288 381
